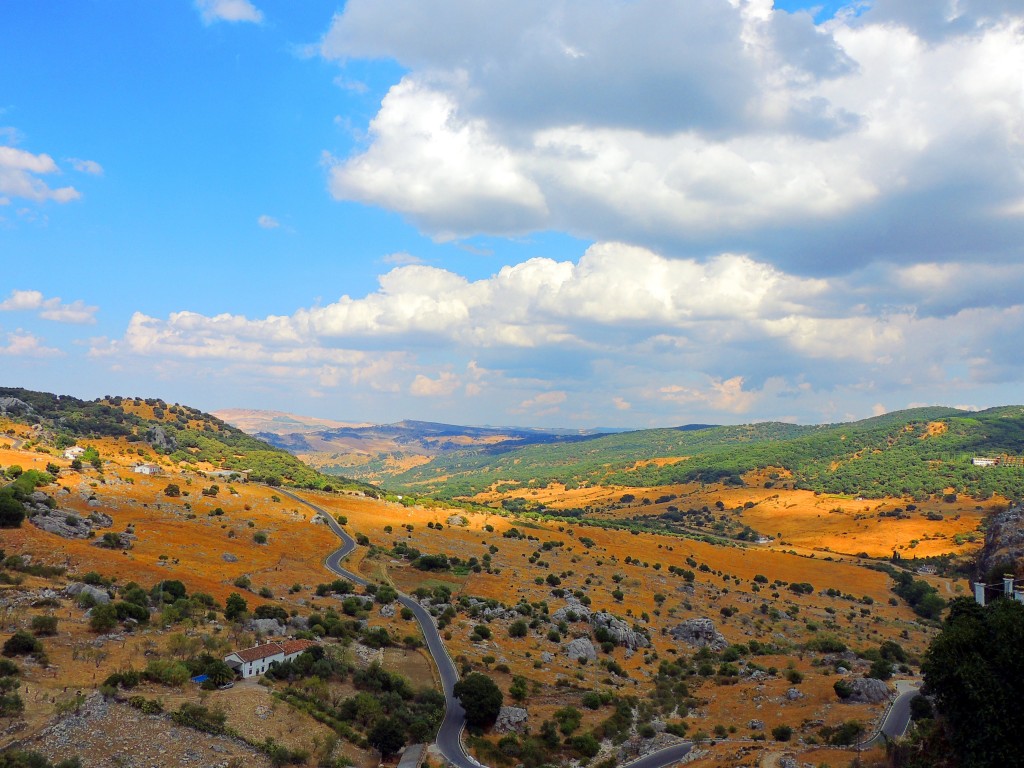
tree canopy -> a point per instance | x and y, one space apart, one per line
481 699
975 670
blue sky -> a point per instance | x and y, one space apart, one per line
553 213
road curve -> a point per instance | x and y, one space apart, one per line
449 736
897 718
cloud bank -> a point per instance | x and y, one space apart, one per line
695 127
624 332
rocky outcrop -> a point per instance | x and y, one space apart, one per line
581 648
121 540
699 633
158 438
458 521
1004 544
573 610
227 557
511 720
482 609
12 406
618 631
63 522
866 690
265 627
97 595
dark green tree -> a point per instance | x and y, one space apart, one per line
235 606
481 699
387 736
103 618
975 670
12 512
21 643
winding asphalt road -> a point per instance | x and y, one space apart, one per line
896 720
449 736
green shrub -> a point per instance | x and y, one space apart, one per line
21 643
166 672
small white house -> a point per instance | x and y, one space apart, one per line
257 660
147 469
980 461
74 452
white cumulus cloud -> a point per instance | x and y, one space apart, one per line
23 344
20 177
77 312
228 10
699 126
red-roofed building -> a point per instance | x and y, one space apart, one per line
256 660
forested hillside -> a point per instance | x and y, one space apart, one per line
905 453
181 433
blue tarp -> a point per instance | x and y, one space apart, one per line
199 678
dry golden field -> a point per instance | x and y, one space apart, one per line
815 540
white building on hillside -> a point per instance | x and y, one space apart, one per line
257 660
147 469
74 452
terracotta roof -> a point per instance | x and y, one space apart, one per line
267 650
296 646
259 652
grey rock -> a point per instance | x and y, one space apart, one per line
794 694
581 648
547 657
788 762
458 520
78 589
298 622
12 405
63 523
511 719
265 626
124 541
572 608
158 438
619 631
756 725
227 557
700 633
867 690
1004 540
387 611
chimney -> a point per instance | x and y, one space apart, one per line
1008 585
979 593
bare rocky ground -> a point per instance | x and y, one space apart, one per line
107 734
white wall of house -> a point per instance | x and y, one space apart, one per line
252 668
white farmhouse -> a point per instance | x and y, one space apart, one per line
257 660
74 452
146 469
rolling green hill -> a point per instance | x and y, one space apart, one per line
182 433
905 453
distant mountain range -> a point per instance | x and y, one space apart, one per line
376 452
910 453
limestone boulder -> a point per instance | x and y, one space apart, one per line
699 633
